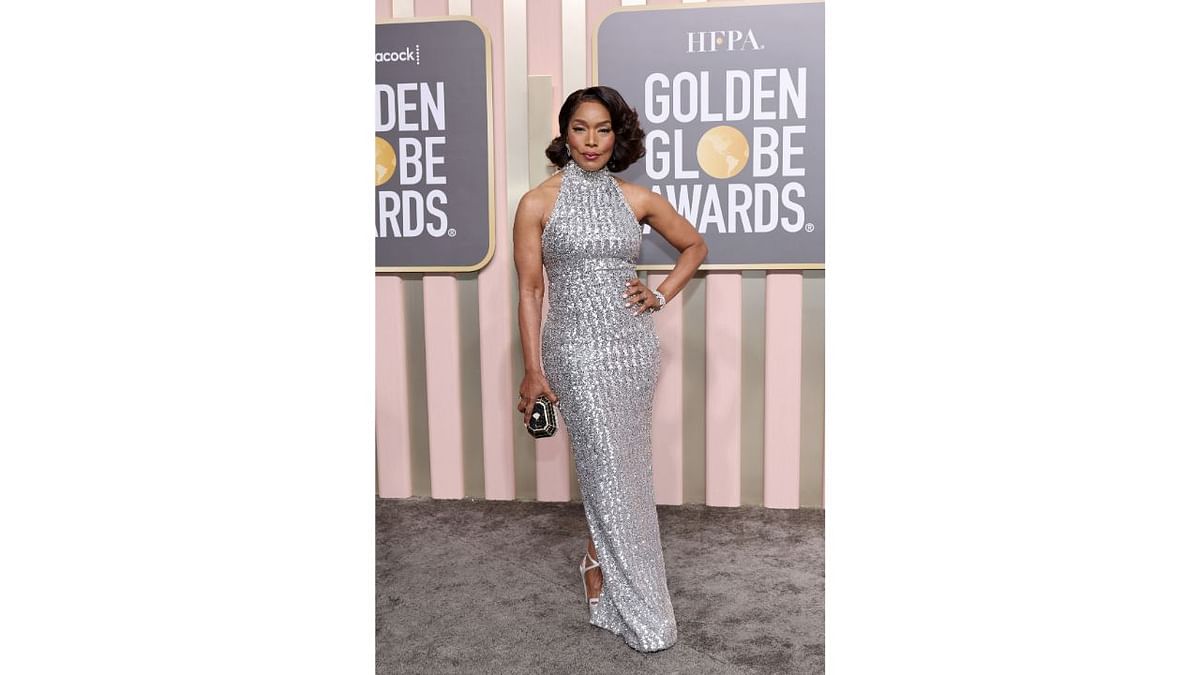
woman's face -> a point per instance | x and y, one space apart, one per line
590 135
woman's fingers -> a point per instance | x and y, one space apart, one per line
636 292
525 404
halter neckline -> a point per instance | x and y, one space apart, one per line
571 168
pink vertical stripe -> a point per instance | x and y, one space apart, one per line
391 391
443 386
545 41
431 7
667 433
383 9
781 437
723 389
596 11
499 392
545 46
544 57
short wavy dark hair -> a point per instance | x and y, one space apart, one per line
629 146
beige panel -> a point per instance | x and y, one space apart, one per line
525 98
754 296
516 84
574 46
541 119
693 390
812 391
472 393
552 456
414 365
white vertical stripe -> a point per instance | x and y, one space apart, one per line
574 46
403 9
632 3
460 7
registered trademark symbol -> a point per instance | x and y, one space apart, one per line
809 227
451 232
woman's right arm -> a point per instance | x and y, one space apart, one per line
527 254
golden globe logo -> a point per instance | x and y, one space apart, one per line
722 40
385 161
722 152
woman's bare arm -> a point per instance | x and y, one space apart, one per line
527 254
657 212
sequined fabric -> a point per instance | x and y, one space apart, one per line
603 361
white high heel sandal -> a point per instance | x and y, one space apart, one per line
583 568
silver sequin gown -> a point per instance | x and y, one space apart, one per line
603 362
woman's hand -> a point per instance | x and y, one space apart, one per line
533 386
636 291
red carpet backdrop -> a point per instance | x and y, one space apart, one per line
738 416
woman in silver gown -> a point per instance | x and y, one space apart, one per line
598 356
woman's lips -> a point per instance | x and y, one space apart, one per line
590 156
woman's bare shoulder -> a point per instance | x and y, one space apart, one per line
552 182
541 197
635 194
633 189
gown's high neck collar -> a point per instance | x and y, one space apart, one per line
576 171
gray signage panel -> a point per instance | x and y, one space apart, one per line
433 146
732 99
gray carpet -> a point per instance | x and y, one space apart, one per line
489 586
